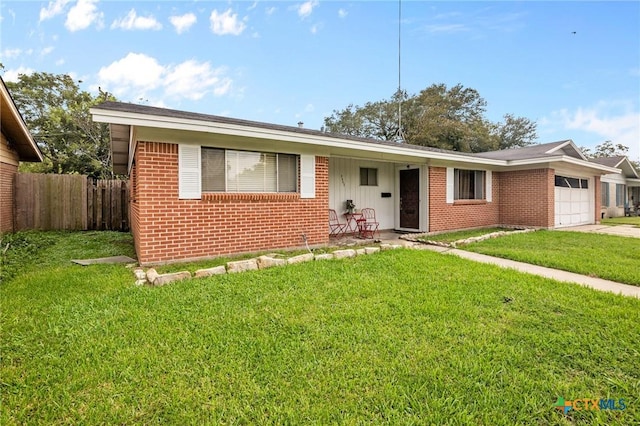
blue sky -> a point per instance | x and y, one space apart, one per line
573 67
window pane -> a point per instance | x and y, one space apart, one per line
479 185
620 190
287 173
469 184
212 169
251 172
368 176
605 194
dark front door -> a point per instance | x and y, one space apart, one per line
410 199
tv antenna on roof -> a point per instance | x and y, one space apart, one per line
399 137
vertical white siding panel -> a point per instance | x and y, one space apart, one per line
344 184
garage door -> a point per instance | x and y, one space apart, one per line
572 201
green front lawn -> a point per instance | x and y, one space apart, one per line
629 220
450 237
400 337
604 256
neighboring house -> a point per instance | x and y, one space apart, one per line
618 190
204 186
17 145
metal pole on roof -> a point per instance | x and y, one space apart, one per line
399 135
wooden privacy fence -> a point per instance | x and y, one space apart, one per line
71 202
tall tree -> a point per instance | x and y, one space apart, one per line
56 112
516 132
449 118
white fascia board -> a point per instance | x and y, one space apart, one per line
633 182
565 159
163 122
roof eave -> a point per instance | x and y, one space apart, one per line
163 122
28 151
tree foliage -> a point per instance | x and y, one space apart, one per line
606 149
609 149
56 112
448 118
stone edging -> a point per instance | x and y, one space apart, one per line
151 276
416 238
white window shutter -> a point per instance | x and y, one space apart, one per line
189 175
450 184
489 186
307 176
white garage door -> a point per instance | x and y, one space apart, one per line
573 201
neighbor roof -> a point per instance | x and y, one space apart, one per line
15 129
620 162
565 147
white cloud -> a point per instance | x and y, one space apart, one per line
305 9
270 11
315 28
83 15
183 23
12 75
309 108
53 9
10 53
342 13
60 62
136 71
46 50
226 23
134 22
193 80
447 28
618 122
137 76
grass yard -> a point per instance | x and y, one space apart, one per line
400 337
450 237
629 220
603 256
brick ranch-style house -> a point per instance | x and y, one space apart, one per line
16 145
204 185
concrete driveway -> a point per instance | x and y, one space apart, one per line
620 230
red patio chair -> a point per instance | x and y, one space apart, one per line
335 227
368 225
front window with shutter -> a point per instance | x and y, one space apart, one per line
469 184
248 171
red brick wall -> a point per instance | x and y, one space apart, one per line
220 223
7 175
527 198
460 214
